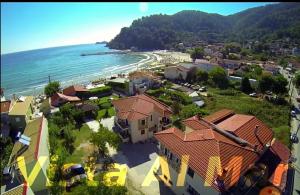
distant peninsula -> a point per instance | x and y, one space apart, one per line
102 42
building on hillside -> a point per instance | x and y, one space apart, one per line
180 70
33 147
76 90
119 84
5 108
231 64
140 116
140 81
176 72
21 112
223 152
271 68
59 99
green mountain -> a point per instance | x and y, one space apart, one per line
270 22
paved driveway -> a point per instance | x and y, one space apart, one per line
93 125
139 159
108 122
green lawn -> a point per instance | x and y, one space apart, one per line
82 136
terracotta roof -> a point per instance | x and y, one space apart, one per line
5 106
234 122
194 123
246 129
204 142
71 90
200 145
64 97
218 116
281 151
139 106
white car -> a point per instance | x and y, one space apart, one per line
253 94
293 113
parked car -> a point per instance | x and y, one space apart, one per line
294 138
253 94
71 170
293 113
202 89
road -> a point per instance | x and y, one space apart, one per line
294 125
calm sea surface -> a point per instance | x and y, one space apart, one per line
27 72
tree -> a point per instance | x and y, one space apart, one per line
69 138
202 76
52 88
219 77
192 75
296 79
197 53
245 85
279 85
102 137
176 107
265 83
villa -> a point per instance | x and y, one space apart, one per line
33 147
76 90
219 153
58 99
141 116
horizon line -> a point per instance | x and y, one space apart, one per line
49 47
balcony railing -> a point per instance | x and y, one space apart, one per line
122 125
172 163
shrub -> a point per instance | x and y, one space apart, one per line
100 90
191 110
101 114
111 112
106 105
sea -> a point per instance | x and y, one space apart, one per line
27 72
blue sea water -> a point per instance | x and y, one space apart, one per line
26 73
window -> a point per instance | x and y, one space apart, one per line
171 156
170 182
192 191
190 172
151 117
18 119
166 151
143 122
143 132
165 177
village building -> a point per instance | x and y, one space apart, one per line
31 154
140 116
223 152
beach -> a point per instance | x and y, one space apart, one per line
85 73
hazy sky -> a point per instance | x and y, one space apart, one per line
26 26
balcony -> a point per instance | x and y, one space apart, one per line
122 125
175 165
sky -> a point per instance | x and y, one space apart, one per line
27 26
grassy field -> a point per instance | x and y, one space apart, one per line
82 137
275 116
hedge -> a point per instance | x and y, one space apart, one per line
100 90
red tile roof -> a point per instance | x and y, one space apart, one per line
217 116
246 131
67 98
204 142
200 145
139 106
71 90
194 123
5 106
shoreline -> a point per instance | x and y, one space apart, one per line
154 59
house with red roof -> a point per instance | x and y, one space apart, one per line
140 116
222 152
75 90
58 99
